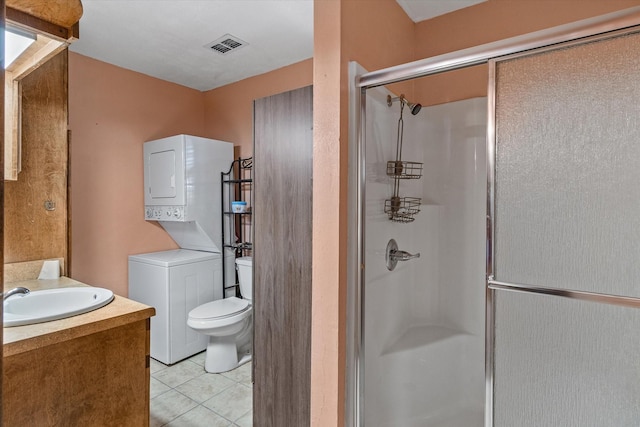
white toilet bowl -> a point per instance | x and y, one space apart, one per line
228 323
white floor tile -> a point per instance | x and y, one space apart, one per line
231 403
156 366
169 406
205 386
245 420
198 358
241 374
200 417
179 373
185 395
157 388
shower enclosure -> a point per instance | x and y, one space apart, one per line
425 319
523 308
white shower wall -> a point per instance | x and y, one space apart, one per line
424 321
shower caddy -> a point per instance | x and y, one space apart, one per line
240 184
401 209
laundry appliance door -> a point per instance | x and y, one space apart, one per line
164 172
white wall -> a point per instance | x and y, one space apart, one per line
424 321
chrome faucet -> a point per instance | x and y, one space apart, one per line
18 290
393 255
402 256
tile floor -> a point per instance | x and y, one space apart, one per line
186 395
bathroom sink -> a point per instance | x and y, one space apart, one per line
53 304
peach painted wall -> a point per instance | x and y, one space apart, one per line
488 22
377 34
327 346
374 33
112 112
228 110
500 19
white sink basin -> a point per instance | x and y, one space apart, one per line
53 304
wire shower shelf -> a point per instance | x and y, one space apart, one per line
402 209
404 170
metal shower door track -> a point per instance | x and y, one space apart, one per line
481 54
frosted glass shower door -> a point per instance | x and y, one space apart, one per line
565 272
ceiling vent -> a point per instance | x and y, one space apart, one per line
226 44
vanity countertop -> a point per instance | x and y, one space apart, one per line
120 311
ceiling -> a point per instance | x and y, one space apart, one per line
170 39
419 10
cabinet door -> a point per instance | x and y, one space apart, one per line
282 258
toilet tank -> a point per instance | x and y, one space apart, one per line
245 276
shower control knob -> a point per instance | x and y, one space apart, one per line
393 255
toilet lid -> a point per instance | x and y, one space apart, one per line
220 308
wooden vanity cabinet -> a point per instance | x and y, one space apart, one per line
101 379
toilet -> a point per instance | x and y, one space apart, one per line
227 322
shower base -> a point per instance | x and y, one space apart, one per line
467 417
432 376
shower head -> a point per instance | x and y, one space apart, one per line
413 108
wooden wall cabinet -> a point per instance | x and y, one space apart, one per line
283 157
43 49
54 24
35 131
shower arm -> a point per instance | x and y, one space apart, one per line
414 108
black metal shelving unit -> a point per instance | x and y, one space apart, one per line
237 185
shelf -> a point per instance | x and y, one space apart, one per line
241 246
236 181
236 184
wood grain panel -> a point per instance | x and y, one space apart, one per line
282 258
2 23
30 231
96 380
60 12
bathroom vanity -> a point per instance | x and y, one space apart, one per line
87 370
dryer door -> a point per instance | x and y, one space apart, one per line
164 172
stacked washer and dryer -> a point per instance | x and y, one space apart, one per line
182 192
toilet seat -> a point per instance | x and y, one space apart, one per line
219 309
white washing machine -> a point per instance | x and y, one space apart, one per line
175 282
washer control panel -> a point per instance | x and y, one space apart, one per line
164 213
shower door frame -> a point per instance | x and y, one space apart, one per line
483 54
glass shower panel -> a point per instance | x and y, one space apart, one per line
567 210
567 216
565 363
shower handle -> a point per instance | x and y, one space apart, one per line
403 255
393 255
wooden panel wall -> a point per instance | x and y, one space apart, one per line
2 23
30 231
282 258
